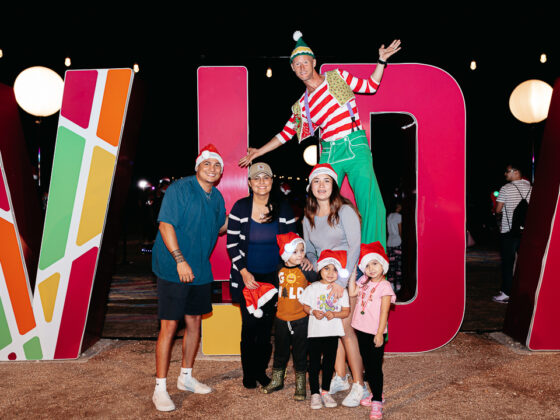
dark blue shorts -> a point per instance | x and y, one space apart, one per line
175 300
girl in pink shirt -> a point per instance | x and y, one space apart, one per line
374 298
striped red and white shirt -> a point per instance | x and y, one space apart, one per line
326 113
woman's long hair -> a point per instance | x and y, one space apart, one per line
336 201
273 204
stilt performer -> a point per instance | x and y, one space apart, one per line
330 105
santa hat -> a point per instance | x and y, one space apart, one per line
373 251
256 298
337 258
301 47
209 152
285 188
322 169
288 242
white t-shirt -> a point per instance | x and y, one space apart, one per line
393 221
316 296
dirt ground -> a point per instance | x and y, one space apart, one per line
480 376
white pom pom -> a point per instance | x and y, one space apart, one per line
344 273
297 35
258 313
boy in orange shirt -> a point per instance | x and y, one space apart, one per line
290 325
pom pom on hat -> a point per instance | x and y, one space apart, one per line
256 298
209 152
301 47
288 242
373 251
337 258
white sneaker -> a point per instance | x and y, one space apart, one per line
189 383
328 400
501 298
339 384
354 396
162 401
316 401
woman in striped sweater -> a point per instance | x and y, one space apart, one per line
253 224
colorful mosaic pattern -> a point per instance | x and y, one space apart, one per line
50 323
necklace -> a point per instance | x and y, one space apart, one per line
365 302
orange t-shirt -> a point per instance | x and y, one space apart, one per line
291 284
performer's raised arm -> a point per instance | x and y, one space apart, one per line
253 153
384 54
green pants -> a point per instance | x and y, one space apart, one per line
351 156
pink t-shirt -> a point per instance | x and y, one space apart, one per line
368 322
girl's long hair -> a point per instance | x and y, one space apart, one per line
336 201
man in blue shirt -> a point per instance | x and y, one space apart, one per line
191 217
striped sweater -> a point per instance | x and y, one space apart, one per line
238 234
333 119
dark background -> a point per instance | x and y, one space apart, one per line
169 44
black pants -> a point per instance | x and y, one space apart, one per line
256 347
326 347
290 334
373 363
509 245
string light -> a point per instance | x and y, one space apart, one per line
269 72
1 53
543 58
67 62
136 68
473 65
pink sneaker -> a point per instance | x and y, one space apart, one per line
376 410
366 402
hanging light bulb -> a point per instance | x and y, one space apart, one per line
67 62
543 58
269 72
136 68
473 65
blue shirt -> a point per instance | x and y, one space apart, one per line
263 253
197 218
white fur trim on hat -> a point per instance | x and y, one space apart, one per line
365 260
206 154
342 272
290 248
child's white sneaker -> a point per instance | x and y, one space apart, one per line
328 400
316 401
189 383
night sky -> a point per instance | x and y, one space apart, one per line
170 45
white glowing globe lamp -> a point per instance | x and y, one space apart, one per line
38 91
529 101
310 155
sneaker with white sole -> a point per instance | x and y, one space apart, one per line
328 400
339 384
501 298
162 400
354 396
316 401
376 410
189 383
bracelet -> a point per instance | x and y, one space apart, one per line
178 256
380 61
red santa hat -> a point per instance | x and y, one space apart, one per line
209 152
288 242
373 251
337 258
256 298
322 169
